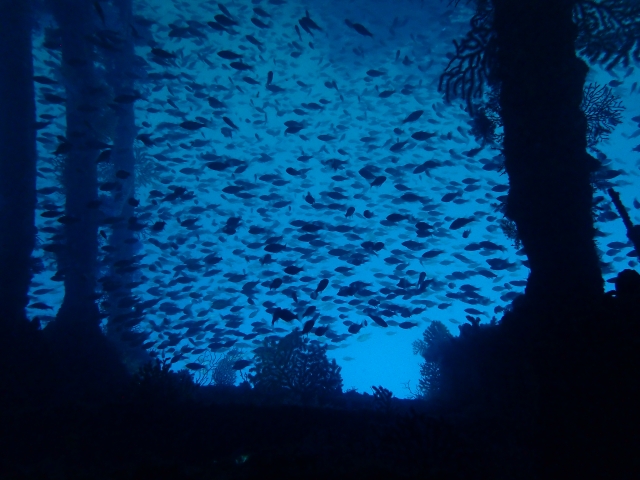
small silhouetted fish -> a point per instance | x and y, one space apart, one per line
274 248
229 55
224 10
158 226
321 330
459 223
413 116
308 326
308 24
48 190
215 103
421 136
321 286
284 314
228 121
396 147
190 125
379 320
326 138
499 264
355 328
240 364
194 366
432 253
407 325
449 196
259 23
63 148
292 270
253 40
240 66
413 245
225 21
396 217
104 156
309 311
158 52
44 80
41 306
378 181
309 199
358 28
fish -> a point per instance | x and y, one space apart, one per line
358 28
422 136
407 325
413 116
229 55
228 121
191 125
378 181
241 364
254 40
283 314
308 24
225 21
355 328
240 66
460 222
259 23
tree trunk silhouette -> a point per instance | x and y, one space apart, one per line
17 160
78 261
550 196
123 316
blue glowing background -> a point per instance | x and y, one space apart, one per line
345 98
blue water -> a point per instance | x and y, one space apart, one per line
357 128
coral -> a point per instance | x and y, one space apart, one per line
223 373
146 171
609 31
510 231
434 337
296 368
471 66
382 399
154 382
603 110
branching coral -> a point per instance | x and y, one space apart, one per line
608 34
146 172
603 110
295 367
470 68
223 373
382 399
155 382
433 337
510 231
609 31
218 371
